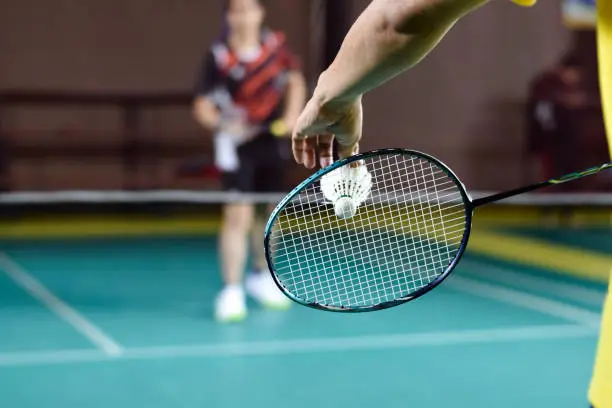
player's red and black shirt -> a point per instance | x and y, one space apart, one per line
258 87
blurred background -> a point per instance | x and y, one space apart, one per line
110 210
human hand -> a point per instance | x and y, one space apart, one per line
238 128
318 125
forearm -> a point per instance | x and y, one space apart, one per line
206 114
389 37
295 98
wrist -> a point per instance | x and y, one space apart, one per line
327 94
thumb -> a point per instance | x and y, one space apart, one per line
347 150
348 143
348 131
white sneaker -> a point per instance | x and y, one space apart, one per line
230 305
261 286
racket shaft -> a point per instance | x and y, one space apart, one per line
552 182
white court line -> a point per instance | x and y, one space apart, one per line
562 289
518 298
304 346
39 292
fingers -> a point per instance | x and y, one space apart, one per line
309 152
325 147
305 150
297 147
315 131
298 138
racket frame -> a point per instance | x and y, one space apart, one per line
468 208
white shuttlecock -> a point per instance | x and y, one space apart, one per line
347 187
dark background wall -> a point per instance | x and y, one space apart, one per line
463 103
119 44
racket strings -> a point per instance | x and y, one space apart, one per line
315 261
401 238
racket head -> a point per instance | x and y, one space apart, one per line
306 267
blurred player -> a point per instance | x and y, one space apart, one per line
250 87
388 38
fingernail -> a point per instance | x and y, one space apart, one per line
326 162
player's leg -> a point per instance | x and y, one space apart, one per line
233 241
230 304
268 178
259 282
262 212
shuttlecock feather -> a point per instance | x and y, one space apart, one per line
346 188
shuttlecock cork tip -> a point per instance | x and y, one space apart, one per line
345 208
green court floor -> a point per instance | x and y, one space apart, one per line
126 323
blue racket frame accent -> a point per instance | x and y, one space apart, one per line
469 209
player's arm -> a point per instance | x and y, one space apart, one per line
295 98
296 87
205 113
204 109
389 37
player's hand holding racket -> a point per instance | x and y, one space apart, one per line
318 125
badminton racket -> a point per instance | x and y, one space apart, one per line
375 230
